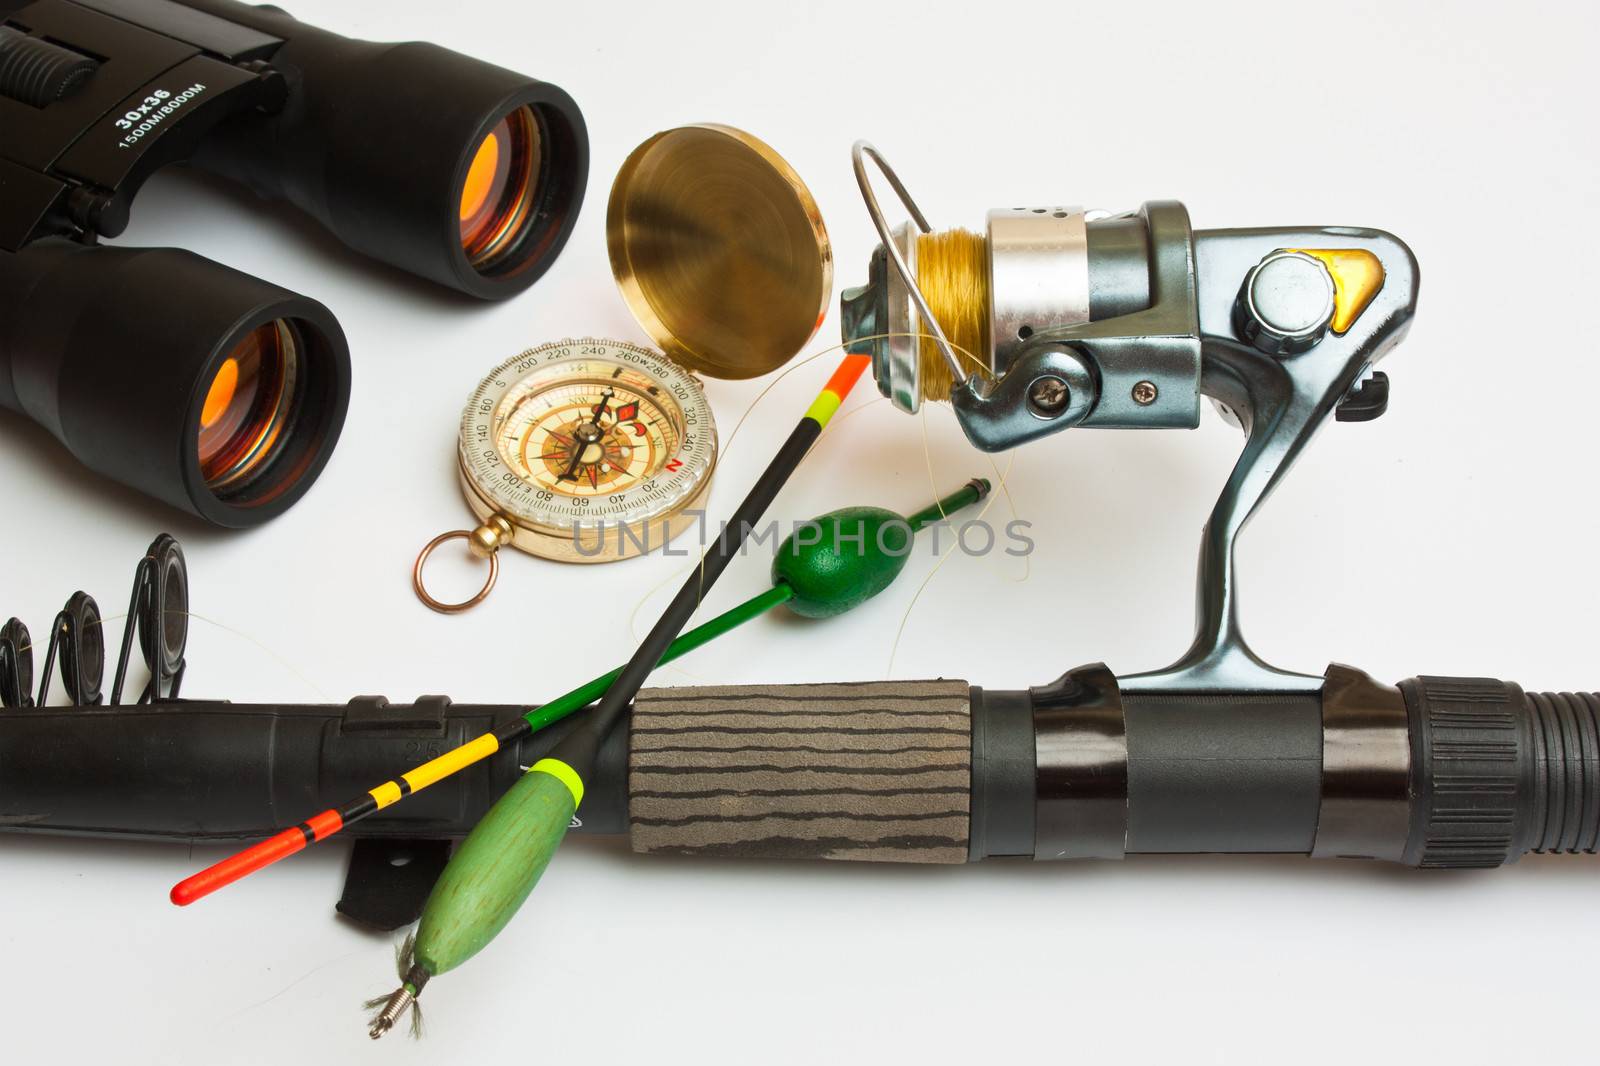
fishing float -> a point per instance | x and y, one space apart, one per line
810 577
497 866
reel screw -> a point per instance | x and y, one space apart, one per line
1048 396
1144 393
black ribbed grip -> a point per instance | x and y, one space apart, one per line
1567 757
1497 772
37 72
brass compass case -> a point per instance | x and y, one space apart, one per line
719 250
530 475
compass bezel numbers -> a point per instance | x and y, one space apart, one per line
681 478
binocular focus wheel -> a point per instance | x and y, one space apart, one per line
83 650
16 671
164 609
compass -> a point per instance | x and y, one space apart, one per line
590 451
585 451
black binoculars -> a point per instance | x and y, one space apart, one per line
215 391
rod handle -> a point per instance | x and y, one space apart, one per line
1500 772
878 771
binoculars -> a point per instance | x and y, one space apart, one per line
217 392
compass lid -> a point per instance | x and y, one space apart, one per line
719 250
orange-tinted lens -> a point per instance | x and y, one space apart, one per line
219 398
484 175
497 195
248 407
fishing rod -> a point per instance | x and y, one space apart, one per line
941 771
814 577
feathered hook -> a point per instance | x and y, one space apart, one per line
393 1007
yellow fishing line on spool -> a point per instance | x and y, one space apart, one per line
953 274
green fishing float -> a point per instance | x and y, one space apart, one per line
826 567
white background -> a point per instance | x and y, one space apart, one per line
1454 535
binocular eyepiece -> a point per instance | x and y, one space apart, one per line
212 390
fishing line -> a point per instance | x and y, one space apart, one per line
953 274
59 650
262 646
1002 481
292 985
950 270
905 618
727 445
32 644
727 449
954 263
677 667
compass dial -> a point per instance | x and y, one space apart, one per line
591 437
580 435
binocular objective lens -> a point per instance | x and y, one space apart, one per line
250 407
500 192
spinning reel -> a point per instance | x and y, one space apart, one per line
158 609
1083 318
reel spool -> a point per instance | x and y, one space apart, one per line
989 293
954 303
1053 317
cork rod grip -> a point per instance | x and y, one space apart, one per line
877 771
